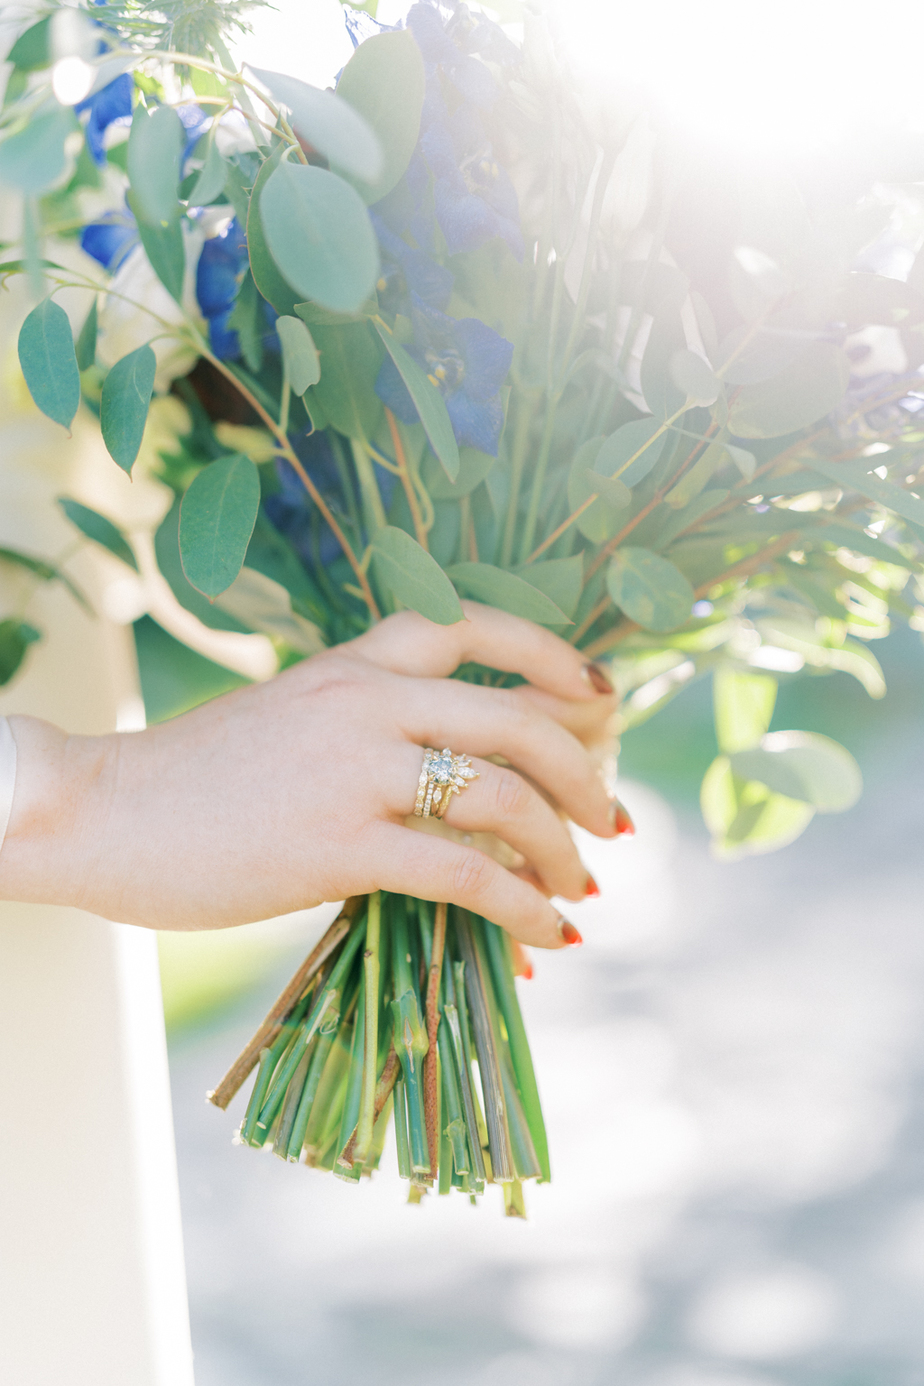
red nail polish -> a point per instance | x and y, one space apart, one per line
621 820
569 933
591 890
527 973
597 678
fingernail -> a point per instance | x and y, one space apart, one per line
596 679
527 973
522 967
568 932
591 889
620 819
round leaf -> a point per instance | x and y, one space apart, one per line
384 81
328 123
803 765
49 363
266 276
124 405
630 453
319 234
497 587
99 529
217 517
695 377
649 589
799 395
299 353
34 158
414 577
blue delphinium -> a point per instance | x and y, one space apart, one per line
290 509
466 361
406 270
110 103
111 239
222 265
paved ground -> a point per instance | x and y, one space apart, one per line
732 1071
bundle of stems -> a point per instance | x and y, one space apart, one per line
405 1009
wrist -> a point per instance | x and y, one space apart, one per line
63 784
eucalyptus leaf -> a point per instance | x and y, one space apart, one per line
49 363
329 123
649 589
15 639
799 395
689 516
384 81
855 476
629 454
413 577
155 147
32 49
508 592
266 274
320 235
167 552
761 822
748 357
350 359
428 402
695 377
561 579
212 176
46 572
743 703
264 605
163 245
601 519
124 405
34 158
86 341
474 467
698 476
803 765
217 517
299 354
96 527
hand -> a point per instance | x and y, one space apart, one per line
288 793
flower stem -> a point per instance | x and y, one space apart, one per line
431 1083
371 970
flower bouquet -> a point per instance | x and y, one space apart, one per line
449 330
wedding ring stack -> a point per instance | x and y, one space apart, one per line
441 775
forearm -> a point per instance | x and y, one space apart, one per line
54 838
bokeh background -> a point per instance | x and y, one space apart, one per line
733 1065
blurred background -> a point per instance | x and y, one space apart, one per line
733 1065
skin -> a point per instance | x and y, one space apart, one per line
284 794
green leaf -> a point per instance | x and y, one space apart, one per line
803 765
86 342
384 81
167 552
350 359
561 579
427 401
266 606
854 476
695 377
602 519
217 517
666 341
155 147
34 158
328 123
32 49
747 817
15 639
414 577
299 353
212 176
173 677
163 245
47 572
688 517
698 476
799 395
508 592
846 656
49 364
649 589
124 405
753 357
474 467
630 453
248 320
99 529
320 236
743 704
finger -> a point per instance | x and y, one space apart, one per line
494 721
433 868
501 802
594 724
407 643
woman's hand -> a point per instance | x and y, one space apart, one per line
285 794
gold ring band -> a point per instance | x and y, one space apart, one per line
441 775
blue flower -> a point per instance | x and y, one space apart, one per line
406 270
292 511
222 266
467 362
112 239
110 103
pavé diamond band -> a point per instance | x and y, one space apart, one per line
441 775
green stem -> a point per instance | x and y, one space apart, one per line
325 1040
505 990
404 1153
476 985
370 1054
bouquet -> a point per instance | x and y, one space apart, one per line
458 328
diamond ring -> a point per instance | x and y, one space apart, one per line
441 775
